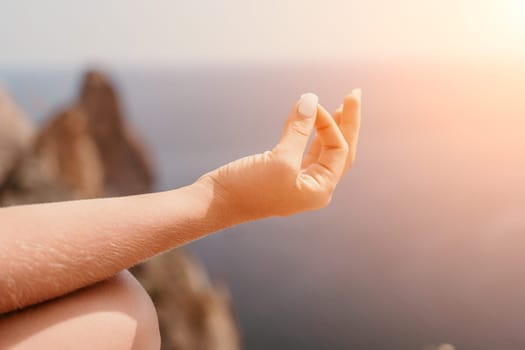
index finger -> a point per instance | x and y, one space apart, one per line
334 148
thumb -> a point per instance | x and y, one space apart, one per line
298 127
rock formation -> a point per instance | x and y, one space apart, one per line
61 163
88 150
125 162
15 134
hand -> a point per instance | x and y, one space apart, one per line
282 181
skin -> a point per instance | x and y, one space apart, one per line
113 314
50 250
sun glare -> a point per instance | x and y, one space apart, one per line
513 14
499 25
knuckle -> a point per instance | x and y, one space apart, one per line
300 128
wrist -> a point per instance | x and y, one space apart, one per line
218 209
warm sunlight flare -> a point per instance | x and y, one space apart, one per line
273 30
497 25
513 15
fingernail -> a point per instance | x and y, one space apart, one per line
308 105
357 93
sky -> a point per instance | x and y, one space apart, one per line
35 32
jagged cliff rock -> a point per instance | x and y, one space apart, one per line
86 151
125 161
21 179
69 155
62 163
15 134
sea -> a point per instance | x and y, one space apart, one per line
424 241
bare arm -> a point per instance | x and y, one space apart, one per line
48 250
51 249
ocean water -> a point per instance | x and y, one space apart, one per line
423 242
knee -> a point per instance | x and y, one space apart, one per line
128 301
114 314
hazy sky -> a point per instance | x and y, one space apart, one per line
161 31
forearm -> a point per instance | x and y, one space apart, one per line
48 250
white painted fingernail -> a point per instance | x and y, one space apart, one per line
308 105
357 93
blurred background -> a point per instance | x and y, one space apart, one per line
423 243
